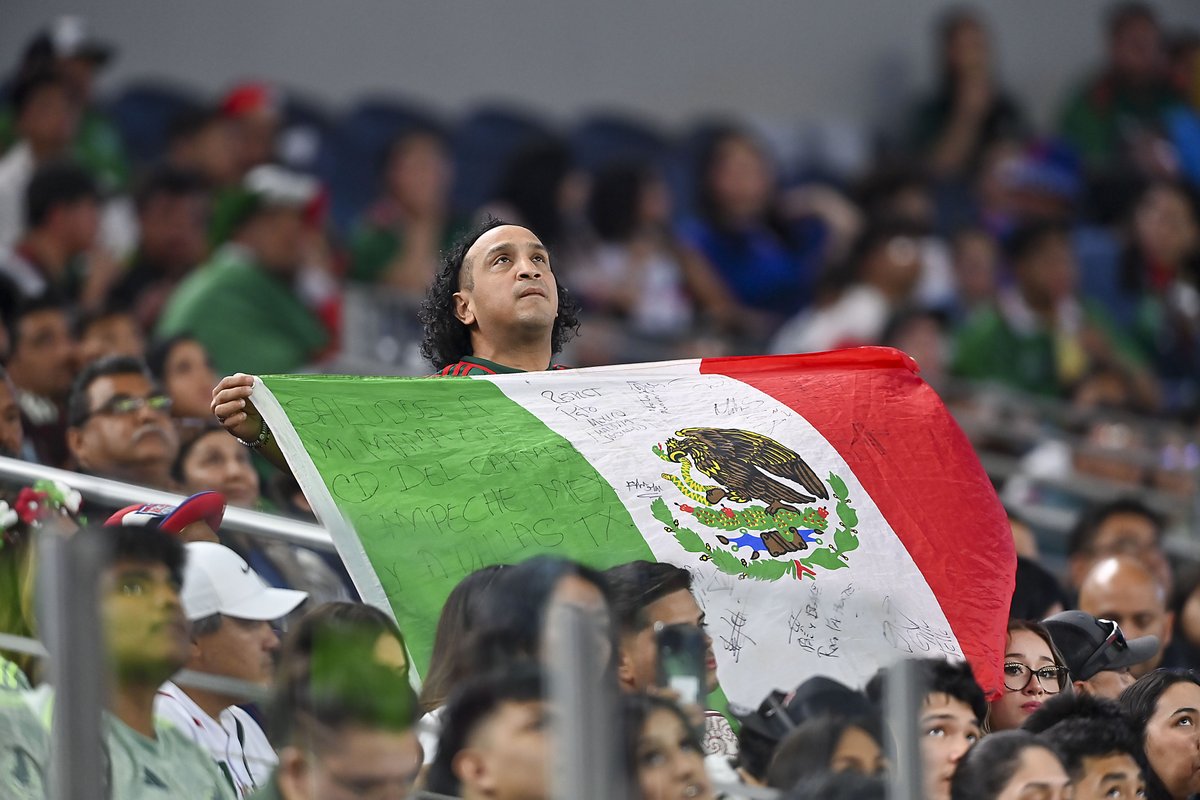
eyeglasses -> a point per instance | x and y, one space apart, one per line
123 404
1017 676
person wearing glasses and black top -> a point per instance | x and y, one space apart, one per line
1097 653
1034 671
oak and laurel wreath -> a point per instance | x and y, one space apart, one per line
845 540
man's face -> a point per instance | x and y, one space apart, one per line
1109 683
278 239
506 758
173 230
145 630
1046 275
49 119
114 440
639 656
364 763
1112 777
1136 51
948 729
79 223
43 358
507 285
114 335
240 648
11 436
1133 600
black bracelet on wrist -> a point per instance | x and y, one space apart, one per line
264 436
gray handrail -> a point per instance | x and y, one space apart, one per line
116 493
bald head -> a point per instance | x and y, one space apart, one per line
1125 590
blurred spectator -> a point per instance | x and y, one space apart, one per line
1011 764
1186 607
825 744
880 277
255 110
767 261
1184 59
1033 672
42 365
1097 653
663 755
1115 117
12 437
1124 590
969 109
172 213
1096 743
1162 707
108 332
925 336
247 292
494 743
397 242
1122 527
950 722
45 120
1039 337
68 47
1036 592
181 364
540 189
55 253
1021 183
120 425
975 257
202 141
230 610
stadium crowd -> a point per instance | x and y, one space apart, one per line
1060 263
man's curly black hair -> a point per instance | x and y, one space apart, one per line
447 340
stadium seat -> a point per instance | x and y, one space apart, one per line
603 139
483 141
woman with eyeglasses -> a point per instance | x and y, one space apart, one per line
1034 671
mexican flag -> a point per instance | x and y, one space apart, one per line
832 513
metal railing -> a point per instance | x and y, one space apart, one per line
116 493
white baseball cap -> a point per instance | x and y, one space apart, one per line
217 580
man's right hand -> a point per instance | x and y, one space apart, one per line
233 408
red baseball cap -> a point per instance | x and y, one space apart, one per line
206 506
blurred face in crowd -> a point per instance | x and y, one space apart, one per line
11 435
1039 774
49 120
111 335
80 74
638 669
1165 226
254 133
419 174
1136 50
1046 275
217 462
240 648
211 151
975 257
1124 590
1031 677
507 287
128 431
358 762
740 180
669 764
144 627
1172 739
654 203
76 225
857 751
173 230
277 237
894 267
1125 533
1112 777
506 757
189 379
948 729
967 47
43 354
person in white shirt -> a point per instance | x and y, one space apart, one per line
230 609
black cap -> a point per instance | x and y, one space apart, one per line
1090 645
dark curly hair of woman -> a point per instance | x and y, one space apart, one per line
446 339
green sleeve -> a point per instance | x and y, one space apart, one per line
1084 128
974 344
371 250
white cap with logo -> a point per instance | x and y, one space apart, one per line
216 580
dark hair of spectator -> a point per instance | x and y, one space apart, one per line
191 122
168 181
1134 275
59 183
710 148
142 546
78 407
636 710
48 302
988 766
159 353
455 625
188 443
615 202
1124 14
1035 592
446 340
1139 703
810 747
838 786
938 676
1083 535
1083 726
637 584
531 183
471 705
30 82
1028 239
87 319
